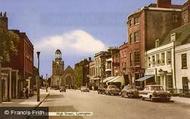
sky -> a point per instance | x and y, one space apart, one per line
79 28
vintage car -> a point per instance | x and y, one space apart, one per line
62 89
84 89
112 90
101 90
130 92
154 93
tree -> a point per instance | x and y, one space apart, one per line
8 44
79 76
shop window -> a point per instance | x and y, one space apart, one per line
184 61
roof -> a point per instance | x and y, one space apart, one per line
182 35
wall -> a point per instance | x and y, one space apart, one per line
182 72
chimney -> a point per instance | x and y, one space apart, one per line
164 3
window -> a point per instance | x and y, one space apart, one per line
158 80
185 84
162 58
153 60
130 22
175 18
130 38
136 20
149 62
169 82
136 36
131 56
169 55
157 59
184 61
137 58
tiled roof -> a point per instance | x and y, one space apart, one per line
182 35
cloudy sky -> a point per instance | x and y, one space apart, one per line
79 28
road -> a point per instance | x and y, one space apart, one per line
113 107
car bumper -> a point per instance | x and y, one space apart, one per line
161 98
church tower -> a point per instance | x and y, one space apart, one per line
3 21
57 69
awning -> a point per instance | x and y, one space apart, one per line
145 78
107 79
118 79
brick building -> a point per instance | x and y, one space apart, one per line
144 27
82 72
22 62
112 62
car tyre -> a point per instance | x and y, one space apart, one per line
142 98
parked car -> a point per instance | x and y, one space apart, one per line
101 90
62 89
112 90
154 93
84 89
130 92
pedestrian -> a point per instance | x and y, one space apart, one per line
24 92
27 92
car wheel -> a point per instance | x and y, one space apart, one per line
151 99
142 98
122 94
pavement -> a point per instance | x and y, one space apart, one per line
30 102
181 100
112 107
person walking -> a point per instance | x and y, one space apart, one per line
24 92
27 95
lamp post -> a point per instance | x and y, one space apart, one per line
37 79
1 95
46 82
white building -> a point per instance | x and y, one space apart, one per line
183 67
168 63
159 66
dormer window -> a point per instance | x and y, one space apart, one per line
173 37
157 43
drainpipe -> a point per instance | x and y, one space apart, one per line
173 39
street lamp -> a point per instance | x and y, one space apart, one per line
1 95
37 79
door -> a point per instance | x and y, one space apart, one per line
185 84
